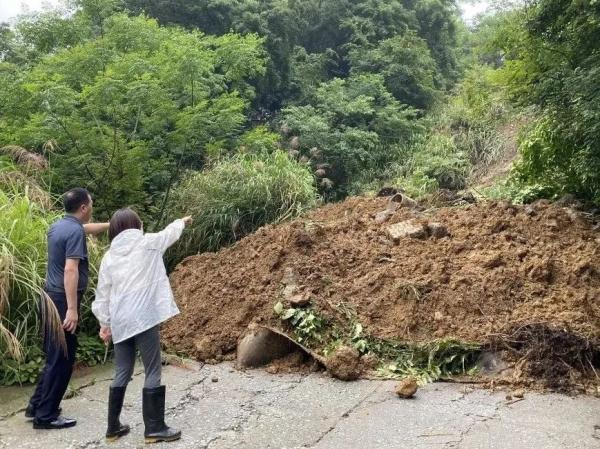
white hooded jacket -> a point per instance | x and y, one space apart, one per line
133 292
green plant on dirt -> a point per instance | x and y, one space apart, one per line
25 371
308 324
427 362
547 53
236 196
517 192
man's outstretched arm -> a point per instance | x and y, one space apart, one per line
95 228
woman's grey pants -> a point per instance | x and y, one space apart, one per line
148 342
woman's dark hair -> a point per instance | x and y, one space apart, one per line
75 198
122 220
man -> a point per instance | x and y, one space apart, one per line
66 282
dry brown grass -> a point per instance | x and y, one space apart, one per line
24 158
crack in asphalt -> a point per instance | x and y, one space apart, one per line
455 444
344 415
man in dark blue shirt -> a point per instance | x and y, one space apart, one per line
66 282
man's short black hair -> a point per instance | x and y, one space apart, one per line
75 198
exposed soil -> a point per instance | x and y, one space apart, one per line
500 268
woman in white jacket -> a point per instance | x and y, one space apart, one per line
133 297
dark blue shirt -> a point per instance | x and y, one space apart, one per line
66 240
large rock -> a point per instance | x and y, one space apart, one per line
408 229
344 363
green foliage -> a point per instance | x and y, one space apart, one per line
236 196
436 163
407 67
311 40
90 350
131 108
259 141
23 227
16 372
549 53
308 324
352 125
517 192
427 362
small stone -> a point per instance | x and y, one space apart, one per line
383 216
519 394
494 262
438 316
407 387
300 300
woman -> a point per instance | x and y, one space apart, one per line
132 298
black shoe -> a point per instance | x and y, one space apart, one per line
153 410
30 411
115 429
59 423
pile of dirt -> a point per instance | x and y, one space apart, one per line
475 273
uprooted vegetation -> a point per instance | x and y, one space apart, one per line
413 291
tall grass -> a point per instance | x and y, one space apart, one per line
237 196
24 224
23 227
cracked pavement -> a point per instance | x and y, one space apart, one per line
218 407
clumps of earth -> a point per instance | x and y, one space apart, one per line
520 281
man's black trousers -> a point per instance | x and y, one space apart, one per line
57 371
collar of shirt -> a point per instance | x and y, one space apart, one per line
73 218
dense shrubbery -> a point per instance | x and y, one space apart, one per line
352 126
128 109
548 54
238 195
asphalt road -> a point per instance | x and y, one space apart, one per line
218 407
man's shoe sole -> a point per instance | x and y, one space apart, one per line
116 436
152 440
51 427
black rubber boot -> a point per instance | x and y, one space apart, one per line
153 409
115 403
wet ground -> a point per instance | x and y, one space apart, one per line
218 407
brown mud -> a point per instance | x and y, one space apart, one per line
522 278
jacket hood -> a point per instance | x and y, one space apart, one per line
126 242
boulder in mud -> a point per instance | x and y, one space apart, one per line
408 229
344 363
